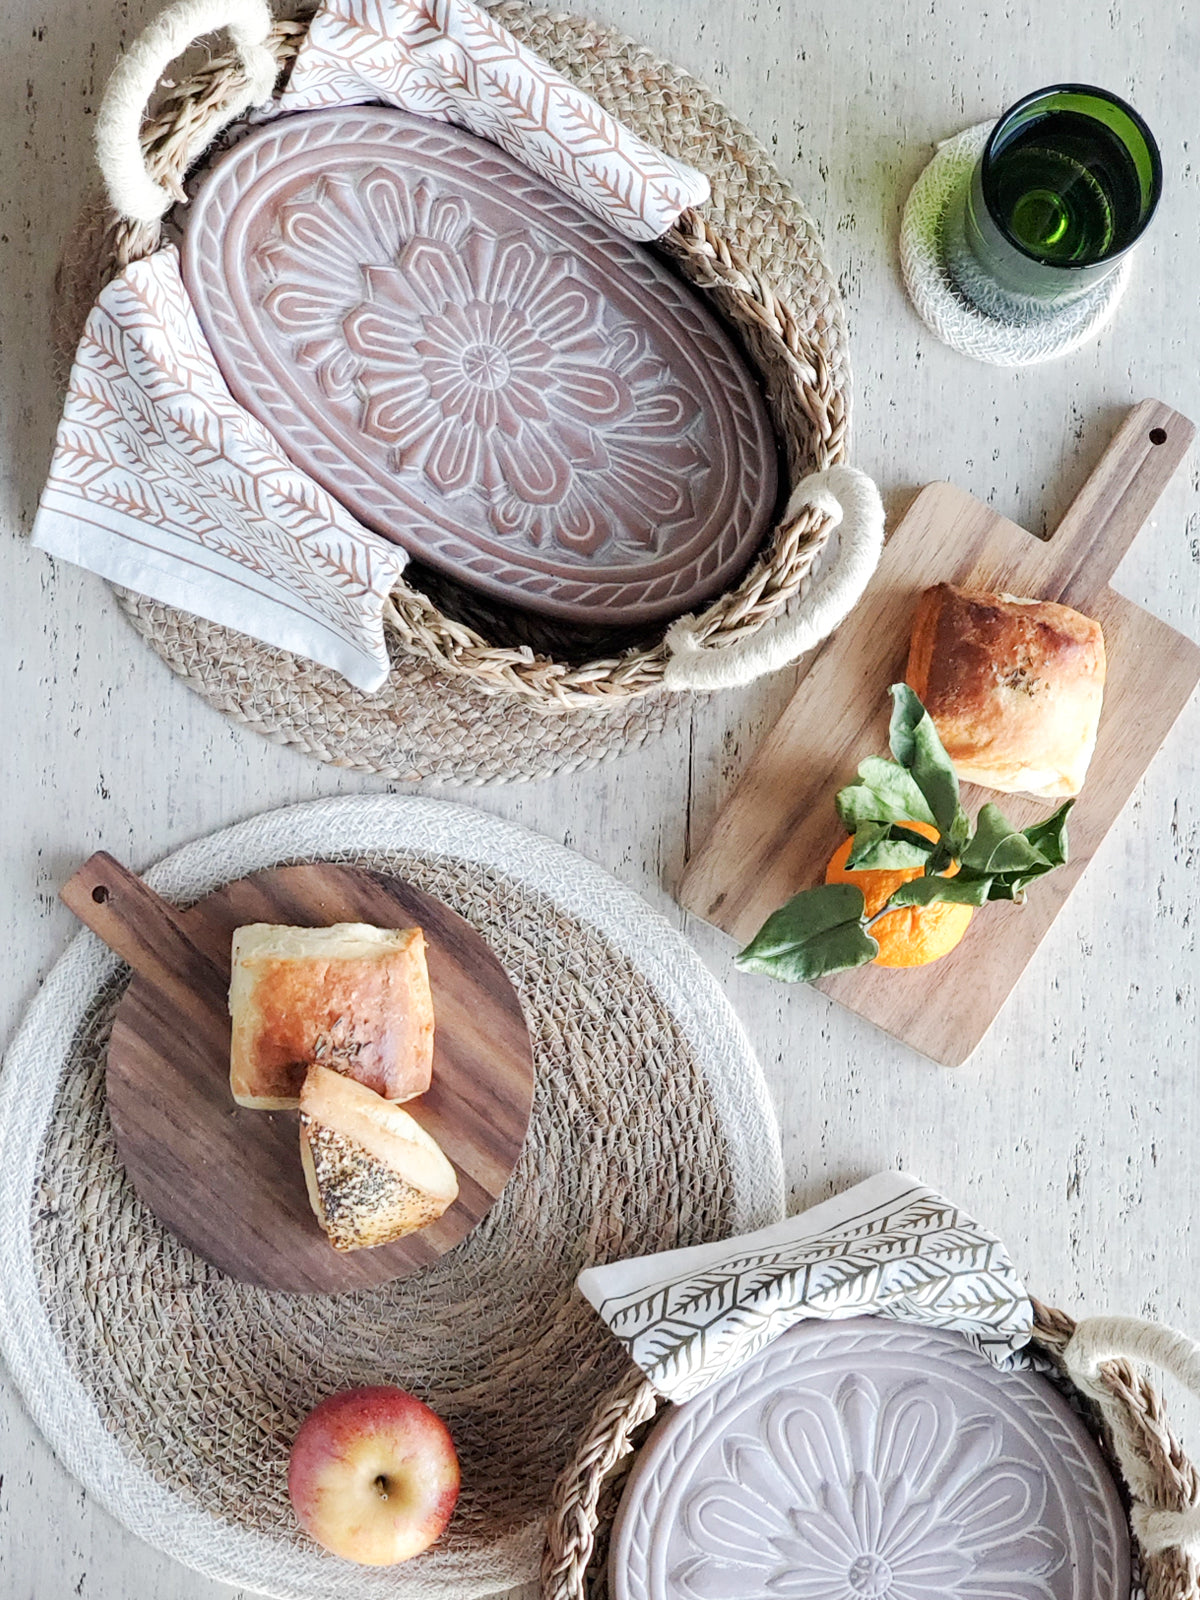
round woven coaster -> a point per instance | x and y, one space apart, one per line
423 724
941 304
173 1392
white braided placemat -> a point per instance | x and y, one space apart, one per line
172 1393
942 306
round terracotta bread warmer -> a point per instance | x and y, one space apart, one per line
1101 1364
796 351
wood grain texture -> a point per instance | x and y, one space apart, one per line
228 1180
780 827
1073 1128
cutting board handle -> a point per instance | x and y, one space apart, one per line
142 928
1119 497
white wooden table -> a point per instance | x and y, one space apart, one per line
1074 1129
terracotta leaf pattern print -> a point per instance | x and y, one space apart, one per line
160 481
483 364
448 59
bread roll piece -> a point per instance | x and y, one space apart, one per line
1014 687
373 1173
351 997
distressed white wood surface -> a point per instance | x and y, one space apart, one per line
1074 1129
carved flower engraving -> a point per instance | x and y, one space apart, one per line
484 365
857 1497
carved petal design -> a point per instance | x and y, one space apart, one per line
478 368
867 1461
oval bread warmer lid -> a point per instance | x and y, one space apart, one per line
480 369
872 1460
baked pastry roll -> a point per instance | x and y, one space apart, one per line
351 997
1014 687
373 1173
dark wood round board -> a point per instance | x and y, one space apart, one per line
227 1180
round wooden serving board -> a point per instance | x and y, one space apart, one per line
227 1180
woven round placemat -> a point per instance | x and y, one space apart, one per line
423 723
173 1392
941 304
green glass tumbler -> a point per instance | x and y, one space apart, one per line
1066 185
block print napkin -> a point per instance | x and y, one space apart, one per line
889 1246
161 482
450 60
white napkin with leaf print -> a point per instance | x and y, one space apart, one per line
162 482
889 1246
450 60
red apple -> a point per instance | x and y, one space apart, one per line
373 1475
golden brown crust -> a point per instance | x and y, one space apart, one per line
373 1173
1014 687
356 999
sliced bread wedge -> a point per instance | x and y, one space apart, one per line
373 1173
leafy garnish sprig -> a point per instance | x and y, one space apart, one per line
826 929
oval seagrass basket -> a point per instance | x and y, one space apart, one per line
1101 1359
796 350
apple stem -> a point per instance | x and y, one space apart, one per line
381 1485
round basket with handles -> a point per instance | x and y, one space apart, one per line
798 586
1104 1359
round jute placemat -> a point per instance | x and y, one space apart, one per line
173 1392
423 723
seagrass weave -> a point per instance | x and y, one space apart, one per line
753 252
174 1392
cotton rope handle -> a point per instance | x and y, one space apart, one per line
850 500
1097 1340
134 194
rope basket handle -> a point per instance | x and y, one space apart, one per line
136 196
1096 1359
782 607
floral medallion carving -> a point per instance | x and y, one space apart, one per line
479 369
867 1461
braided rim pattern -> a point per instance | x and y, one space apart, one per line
798 354
173 1393
588 1492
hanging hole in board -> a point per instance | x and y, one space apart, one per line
1158 436
100 894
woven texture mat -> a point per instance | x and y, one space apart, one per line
174 1392
423 724
941 304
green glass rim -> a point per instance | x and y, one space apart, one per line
1083 91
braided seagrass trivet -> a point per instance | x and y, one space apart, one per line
754 249
173 1392
1121 1403
941 304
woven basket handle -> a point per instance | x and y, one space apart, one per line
136 196
1098 1341
849 502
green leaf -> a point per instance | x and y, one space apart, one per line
999 847
1050 836
927 891
888 846
866 836
885 792
1049 839
817 932
917 747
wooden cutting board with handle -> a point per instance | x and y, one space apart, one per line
779 828
227 1180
